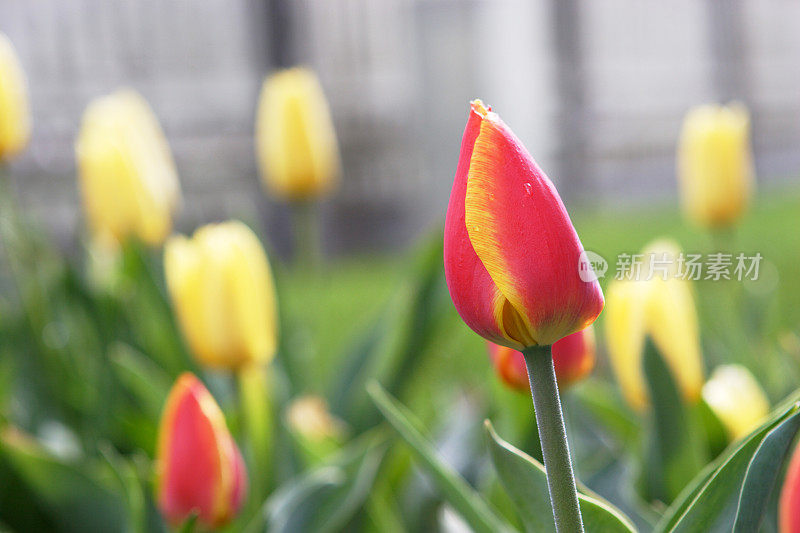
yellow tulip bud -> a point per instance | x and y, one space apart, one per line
661 307
221 288
734 395
316 430
295 140
715 165
624 332
15 118
129 183
309 416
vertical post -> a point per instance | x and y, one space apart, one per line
570 85
726 34
281 45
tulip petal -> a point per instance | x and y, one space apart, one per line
510 365
522 234
253 292
789 504
15 118
471 287
624 332
574 356
671 319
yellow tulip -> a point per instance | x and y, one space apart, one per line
129 184
309 417
15 118
715 164
295 140
317 432
221 288
734 395
624 332
661 307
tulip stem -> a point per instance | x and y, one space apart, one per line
306 234
553 436
254 395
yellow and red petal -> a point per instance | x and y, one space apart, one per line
199 466
471 287
511 254
522 234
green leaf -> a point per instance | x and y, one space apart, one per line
348 386
327 498
190 524
464 499
283 509
605 404
79 495
674 453
525 481
149 312
430 297
148 383
130 485
762 472
712 497
716 435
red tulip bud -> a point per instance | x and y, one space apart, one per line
573 357
200 469
511 254
789 505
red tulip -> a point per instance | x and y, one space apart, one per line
789 505
573 358
199 466
511 254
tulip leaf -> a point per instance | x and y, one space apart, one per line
461 496
429 298
605 404
130 486
525 481
762 472
149 312
716 435
283 509
674 452
347 390
335 512
712 497
326 498
148 383
78 494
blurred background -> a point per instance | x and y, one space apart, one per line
91 339
596 91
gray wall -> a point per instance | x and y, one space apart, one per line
597 91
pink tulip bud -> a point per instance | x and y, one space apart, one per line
200 469
573 357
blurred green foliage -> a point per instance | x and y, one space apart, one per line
85 368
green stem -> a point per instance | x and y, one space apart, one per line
555 449
254 395
306 234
